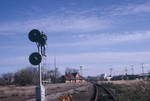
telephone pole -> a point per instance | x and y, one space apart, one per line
132 70
81 72
142 68
55 68
111 71
126 70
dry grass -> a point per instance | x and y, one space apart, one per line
136 90
14 91
28 91
126 82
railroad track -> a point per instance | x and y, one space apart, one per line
102 94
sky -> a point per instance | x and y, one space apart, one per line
95 34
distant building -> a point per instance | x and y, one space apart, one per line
145 76
72 78
92 79
104 77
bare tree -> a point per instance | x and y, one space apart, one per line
2 81
7 78
54 75
26 76
71 70
148 71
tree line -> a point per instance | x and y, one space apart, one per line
29 76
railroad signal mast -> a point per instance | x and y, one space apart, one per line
35 59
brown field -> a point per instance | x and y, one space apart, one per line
127 82
13 93
124 90
134 90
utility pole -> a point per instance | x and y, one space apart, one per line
55 69
126 70
132 70
111 71
142 68
81 72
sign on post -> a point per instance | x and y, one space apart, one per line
34 35
35 58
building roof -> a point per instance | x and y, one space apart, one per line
80 77
73 76
67 78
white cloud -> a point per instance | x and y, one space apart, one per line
76 21
141 8
131 9
128 36
84 58
104 38
92 62
57 24
13 61
108 57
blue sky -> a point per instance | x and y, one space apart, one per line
95 34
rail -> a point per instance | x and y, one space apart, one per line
102 94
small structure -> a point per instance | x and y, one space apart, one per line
72 78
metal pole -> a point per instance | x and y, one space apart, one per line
40 90
142 68
132 70
111 71
40 74
55 68
81 72
126 70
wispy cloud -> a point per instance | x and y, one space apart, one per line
83 58
108 57
58 24
76 21
105 38
131 9
92 62
126 36
89 34
13 61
